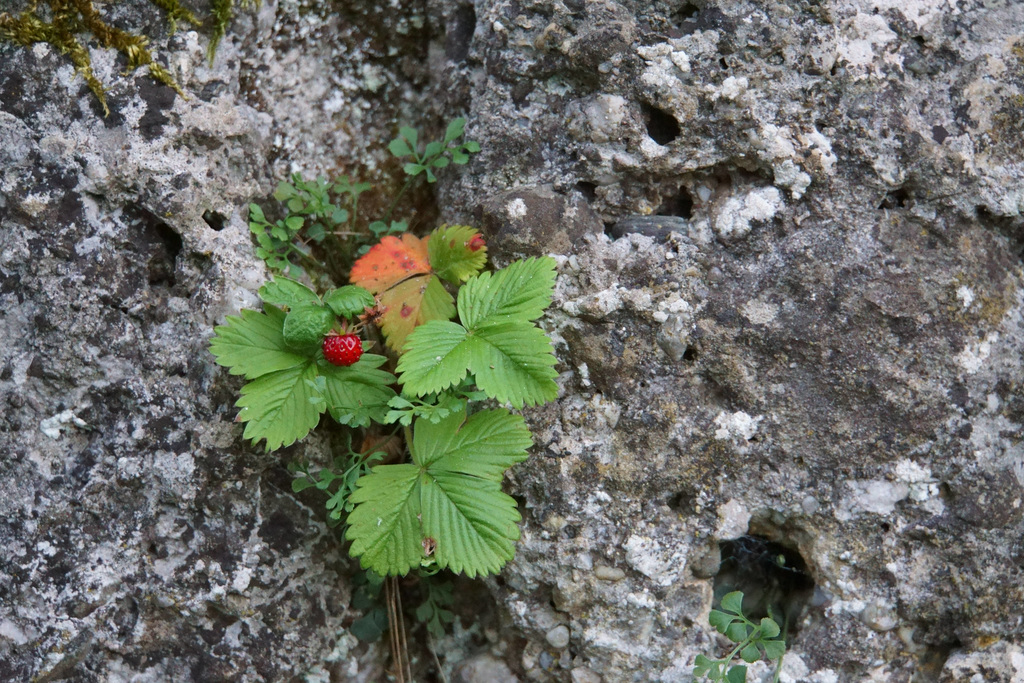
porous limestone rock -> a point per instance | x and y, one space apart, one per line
801 336
823 352
143 539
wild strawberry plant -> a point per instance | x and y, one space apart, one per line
463 348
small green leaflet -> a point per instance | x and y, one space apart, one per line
510 357
521 291
282 291
283 401
349 301
456 252
306 325
359 393
253 345
448 500
277 407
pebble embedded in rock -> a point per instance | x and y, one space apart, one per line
558 637
606 573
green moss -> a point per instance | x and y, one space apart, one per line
221 12
60 23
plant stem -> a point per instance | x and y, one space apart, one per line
394 202
307 259
785 634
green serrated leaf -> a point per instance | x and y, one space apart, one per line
455 129
472 146
440 162
294 223
359 393
432 149
484 446
769 629
316 232
701 666
299 485
522 290
456 253
284 191
413 169
402 417
733 602
349 301
256 213
451 494
720 620
774 649
253 345
510 357
750 654
437 356
276 406
460 158
737 674
513 362
472 521
384 527
282 291
399 148
737 632
306 325
409 134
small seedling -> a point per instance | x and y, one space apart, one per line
753 641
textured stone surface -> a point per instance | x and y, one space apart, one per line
823 349
143 539
827 356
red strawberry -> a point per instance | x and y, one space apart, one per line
342 349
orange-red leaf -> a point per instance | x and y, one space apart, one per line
391 261
411 303
408 294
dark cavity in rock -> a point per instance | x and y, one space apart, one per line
661 126
773 577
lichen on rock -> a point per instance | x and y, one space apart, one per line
60 22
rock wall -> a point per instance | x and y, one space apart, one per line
789 318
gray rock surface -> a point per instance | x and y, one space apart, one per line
823 351
829 357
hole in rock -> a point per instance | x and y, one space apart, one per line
680 205
587 189
1011 227
724 64
897 199
690 355
661 126
932 661
683 502
773 577
161 244
215 220
687 11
